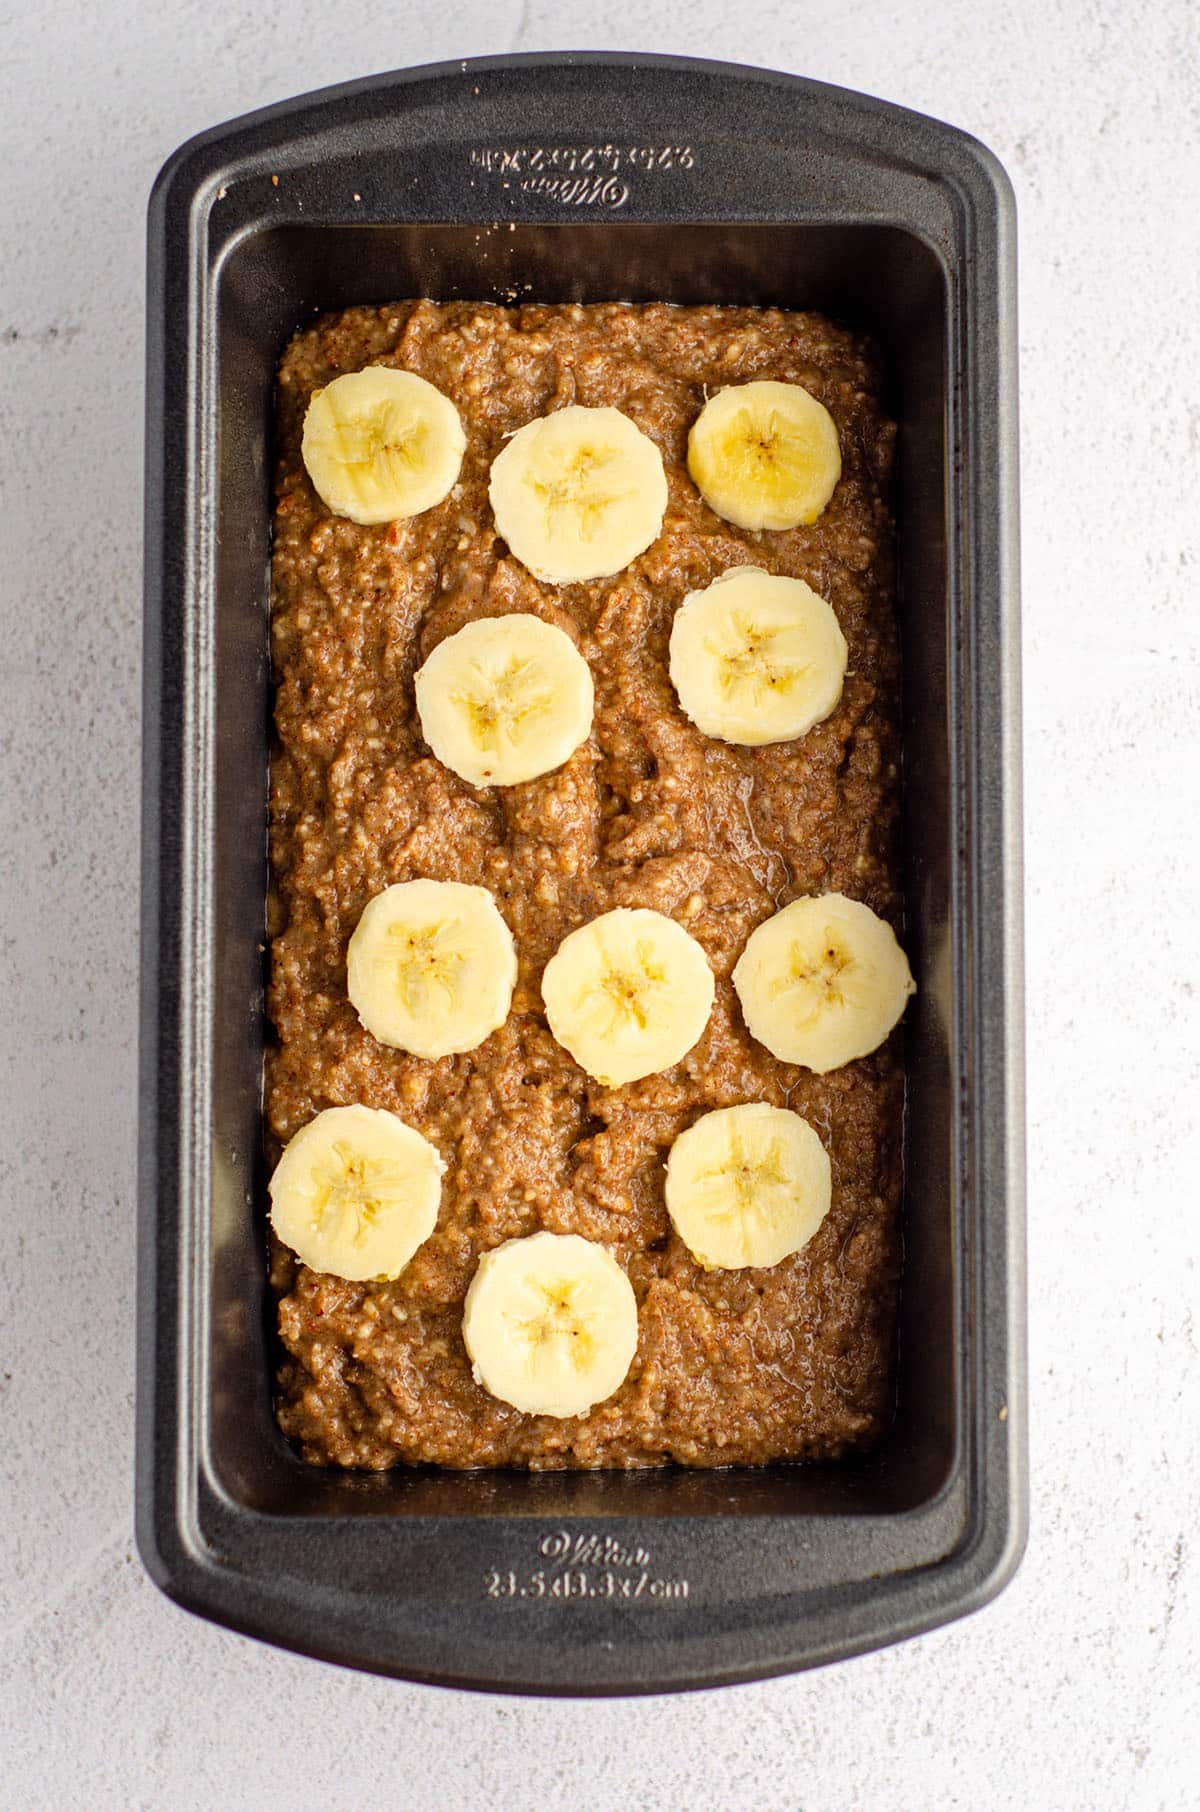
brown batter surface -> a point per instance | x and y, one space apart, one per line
744 1366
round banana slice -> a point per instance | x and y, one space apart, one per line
550 1324
756 658
381 444
823 982
765 455
628 994
579 494
431 967
356 1192
747 1186
504 700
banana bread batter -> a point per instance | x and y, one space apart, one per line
731 1366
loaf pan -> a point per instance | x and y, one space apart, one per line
578 178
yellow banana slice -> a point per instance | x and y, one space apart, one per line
823 982
578 494
747 1186
431 967
356 1192
504 700
765 455
756 658
381 444
550 1324
628 994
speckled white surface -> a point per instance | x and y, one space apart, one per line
1077 1690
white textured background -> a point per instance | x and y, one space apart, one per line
1078 1690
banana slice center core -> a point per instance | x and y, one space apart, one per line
345 1190
749 1176
361 444
424 960
499 705
629 993
740 1194
558 1323
758 659
769 444
574 490
816 981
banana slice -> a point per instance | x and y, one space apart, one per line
504 700
356 1192
550 1324
823 982
380 444
747 1186
756 658
579 494
628 994
765 455
431 967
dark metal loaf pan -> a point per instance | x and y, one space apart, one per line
578 177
